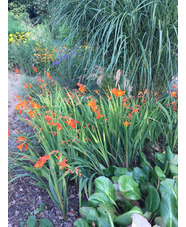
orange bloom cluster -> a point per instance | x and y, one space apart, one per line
20 146
42 55
94 107
174 106
174 94
17 71
126 123
27 85
63 164
40 162
34 68
72 122
117 92
81 88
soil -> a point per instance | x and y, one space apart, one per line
23 196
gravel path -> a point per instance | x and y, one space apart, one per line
23 196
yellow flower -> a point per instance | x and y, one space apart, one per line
22 32
10 35
11 39
27 33
17 32
17 43
24 41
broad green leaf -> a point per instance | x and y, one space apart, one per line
119 171
80 223
159 173
104 185
126 218
143 161
173 169
159 221
98 198
103 223
169 154
152 200
139 221
140 176
115 179
31 222
130 174
144 187
160 159
106 209
128 206
169 210
174 161
129 187
45 223
88 211
168 186
109 172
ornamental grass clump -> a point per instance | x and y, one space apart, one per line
81 133
138 37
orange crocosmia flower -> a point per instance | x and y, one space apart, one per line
62 142
72 123
55 151
59 127
31 113
174 93
145 92
63 164
45 157
58 157
26 147
135 110
117 92
21 138
34 68
175 86
76 170
36 106
96 91
99 114
48 118
92 104
17 96
129 115
17 71
20 146
144 100
126 123
81 88
125 105
48 75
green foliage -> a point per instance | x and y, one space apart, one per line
162 198
140 37
33 222
15 25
